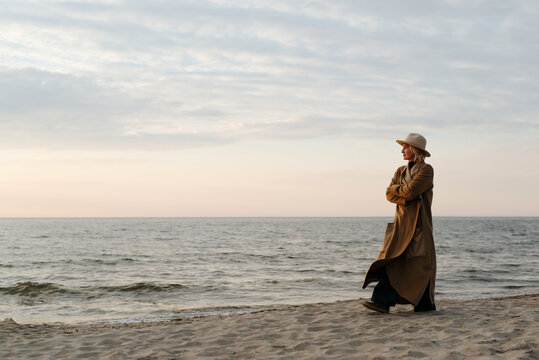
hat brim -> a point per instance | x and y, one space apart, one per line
402 142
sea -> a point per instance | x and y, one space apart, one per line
88 270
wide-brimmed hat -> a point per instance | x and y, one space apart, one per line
415 140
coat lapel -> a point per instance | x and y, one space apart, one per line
409 174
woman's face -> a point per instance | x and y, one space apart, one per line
407 153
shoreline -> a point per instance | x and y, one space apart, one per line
494 328
232 310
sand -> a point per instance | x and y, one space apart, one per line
502 328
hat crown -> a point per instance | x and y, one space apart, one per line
416 140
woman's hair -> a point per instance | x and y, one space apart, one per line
419 155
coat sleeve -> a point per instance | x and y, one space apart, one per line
419 184
393 197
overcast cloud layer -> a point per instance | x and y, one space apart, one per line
173 74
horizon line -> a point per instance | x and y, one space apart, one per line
255 217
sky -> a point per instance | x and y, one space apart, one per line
265 108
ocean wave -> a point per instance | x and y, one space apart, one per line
143 287
326 271
33 289
92 261
42 290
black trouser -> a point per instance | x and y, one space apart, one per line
383 292
425 303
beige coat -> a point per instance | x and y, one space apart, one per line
408 249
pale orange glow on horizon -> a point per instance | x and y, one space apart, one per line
346 179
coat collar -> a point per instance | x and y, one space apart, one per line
410 173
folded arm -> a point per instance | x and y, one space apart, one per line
393 197
419 184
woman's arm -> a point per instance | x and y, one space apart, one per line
419 184
393 197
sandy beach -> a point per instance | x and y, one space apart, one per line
499 328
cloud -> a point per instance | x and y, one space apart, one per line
45 109
37 103
144 74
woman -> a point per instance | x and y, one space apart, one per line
406 266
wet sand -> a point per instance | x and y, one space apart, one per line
500 328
